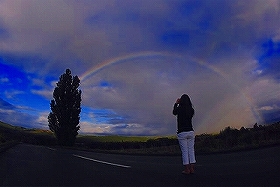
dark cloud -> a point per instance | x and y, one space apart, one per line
208 49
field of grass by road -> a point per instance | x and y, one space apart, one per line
228 139
114 138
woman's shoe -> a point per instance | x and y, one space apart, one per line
192 169
187 170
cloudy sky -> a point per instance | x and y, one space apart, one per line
136 57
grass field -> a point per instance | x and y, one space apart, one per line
229 139
4 127
115 138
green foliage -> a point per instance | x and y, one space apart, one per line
127 143
9 133
65 109
113 138
2 139
229 139
233 139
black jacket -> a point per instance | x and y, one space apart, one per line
184 117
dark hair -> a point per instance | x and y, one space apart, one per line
185 100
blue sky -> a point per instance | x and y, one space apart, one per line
224 53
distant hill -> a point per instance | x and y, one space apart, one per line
34 136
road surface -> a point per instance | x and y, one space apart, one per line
29 165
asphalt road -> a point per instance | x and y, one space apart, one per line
29 165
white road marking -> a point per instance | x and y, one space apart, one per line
103 162
51 148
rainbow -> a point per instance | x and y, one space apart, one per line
147 54
152 54
112 61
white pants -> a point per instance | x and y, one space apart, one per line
186 142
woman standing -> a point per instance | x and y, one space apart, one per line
184 111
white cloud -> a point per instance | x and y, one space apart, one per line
4 80
7 111
267 108
37 82
17 118
48 94
87 127
265 91
145 93
13 93
223 76
42 120
123 129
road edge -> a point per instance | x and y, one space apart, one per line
7 145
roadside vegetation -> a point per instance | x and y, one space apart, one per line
227 140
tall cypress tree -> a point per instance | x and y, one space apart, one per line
65 109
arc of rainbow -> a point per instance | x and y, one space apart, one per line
202 63
255 112
112 61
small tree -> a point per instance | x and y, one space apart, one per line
65 109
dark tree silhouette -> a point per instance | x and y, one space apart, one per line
65 109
